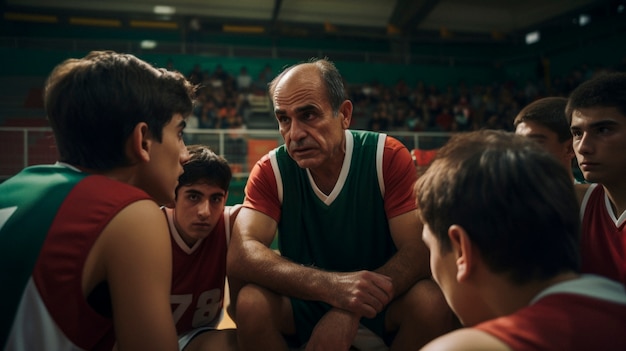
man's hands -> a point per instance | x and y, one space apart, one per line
363 293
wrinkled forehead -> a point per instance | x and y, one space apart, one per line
300 88
301 75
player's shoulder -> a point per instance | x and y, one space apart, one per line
393 143
581 190
141 218
466 339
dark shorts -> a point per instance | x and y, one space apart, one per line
306 314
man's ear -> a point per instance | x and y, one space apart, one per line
345 111
462 250
140 143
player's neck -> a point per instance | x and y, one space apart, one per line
512 297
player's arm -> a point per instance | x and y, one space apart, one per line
234 284
135 252
250 259
411 261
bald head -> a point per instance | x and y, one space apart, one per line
330 77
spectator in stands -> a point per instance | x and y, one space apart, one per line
508 263
244 80
463 115
444 120
414 120
259 85
227 114
200 226
399 122
597 113
207 114
347 256
87 245
196 76
544 121
378 123
219 76
433 101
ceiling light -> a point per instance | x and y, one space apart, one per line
583 20
148 44
532 37
164 10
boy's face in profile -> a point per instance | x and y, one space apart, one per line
442 265
599 143
160 174
197 210
452 271
548 139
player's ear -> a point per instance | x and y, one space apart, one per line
569 148
462 249
139 143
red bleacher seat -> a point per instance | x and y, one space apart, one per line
43 150
12 152
26 122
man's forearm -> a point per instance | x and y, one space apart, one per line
260 265
406 267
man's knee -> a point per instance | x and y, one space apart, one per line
260 307
253 300
423 303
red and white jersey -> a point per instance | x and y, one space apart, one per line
53 313
396 173
603 236
577 315
198 276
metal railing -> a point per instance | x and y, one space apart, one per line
24 146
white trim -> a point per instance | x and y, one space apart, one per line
583 204
169 213
67 165
380 150
279 180
589 285
227 224
343 175
612 214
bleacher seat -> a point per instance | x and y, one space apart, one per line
43 150
26 122
12 154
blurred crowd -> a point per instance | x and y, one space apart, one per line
224 100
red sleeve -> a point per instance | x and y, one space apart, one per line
400 175
261 191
